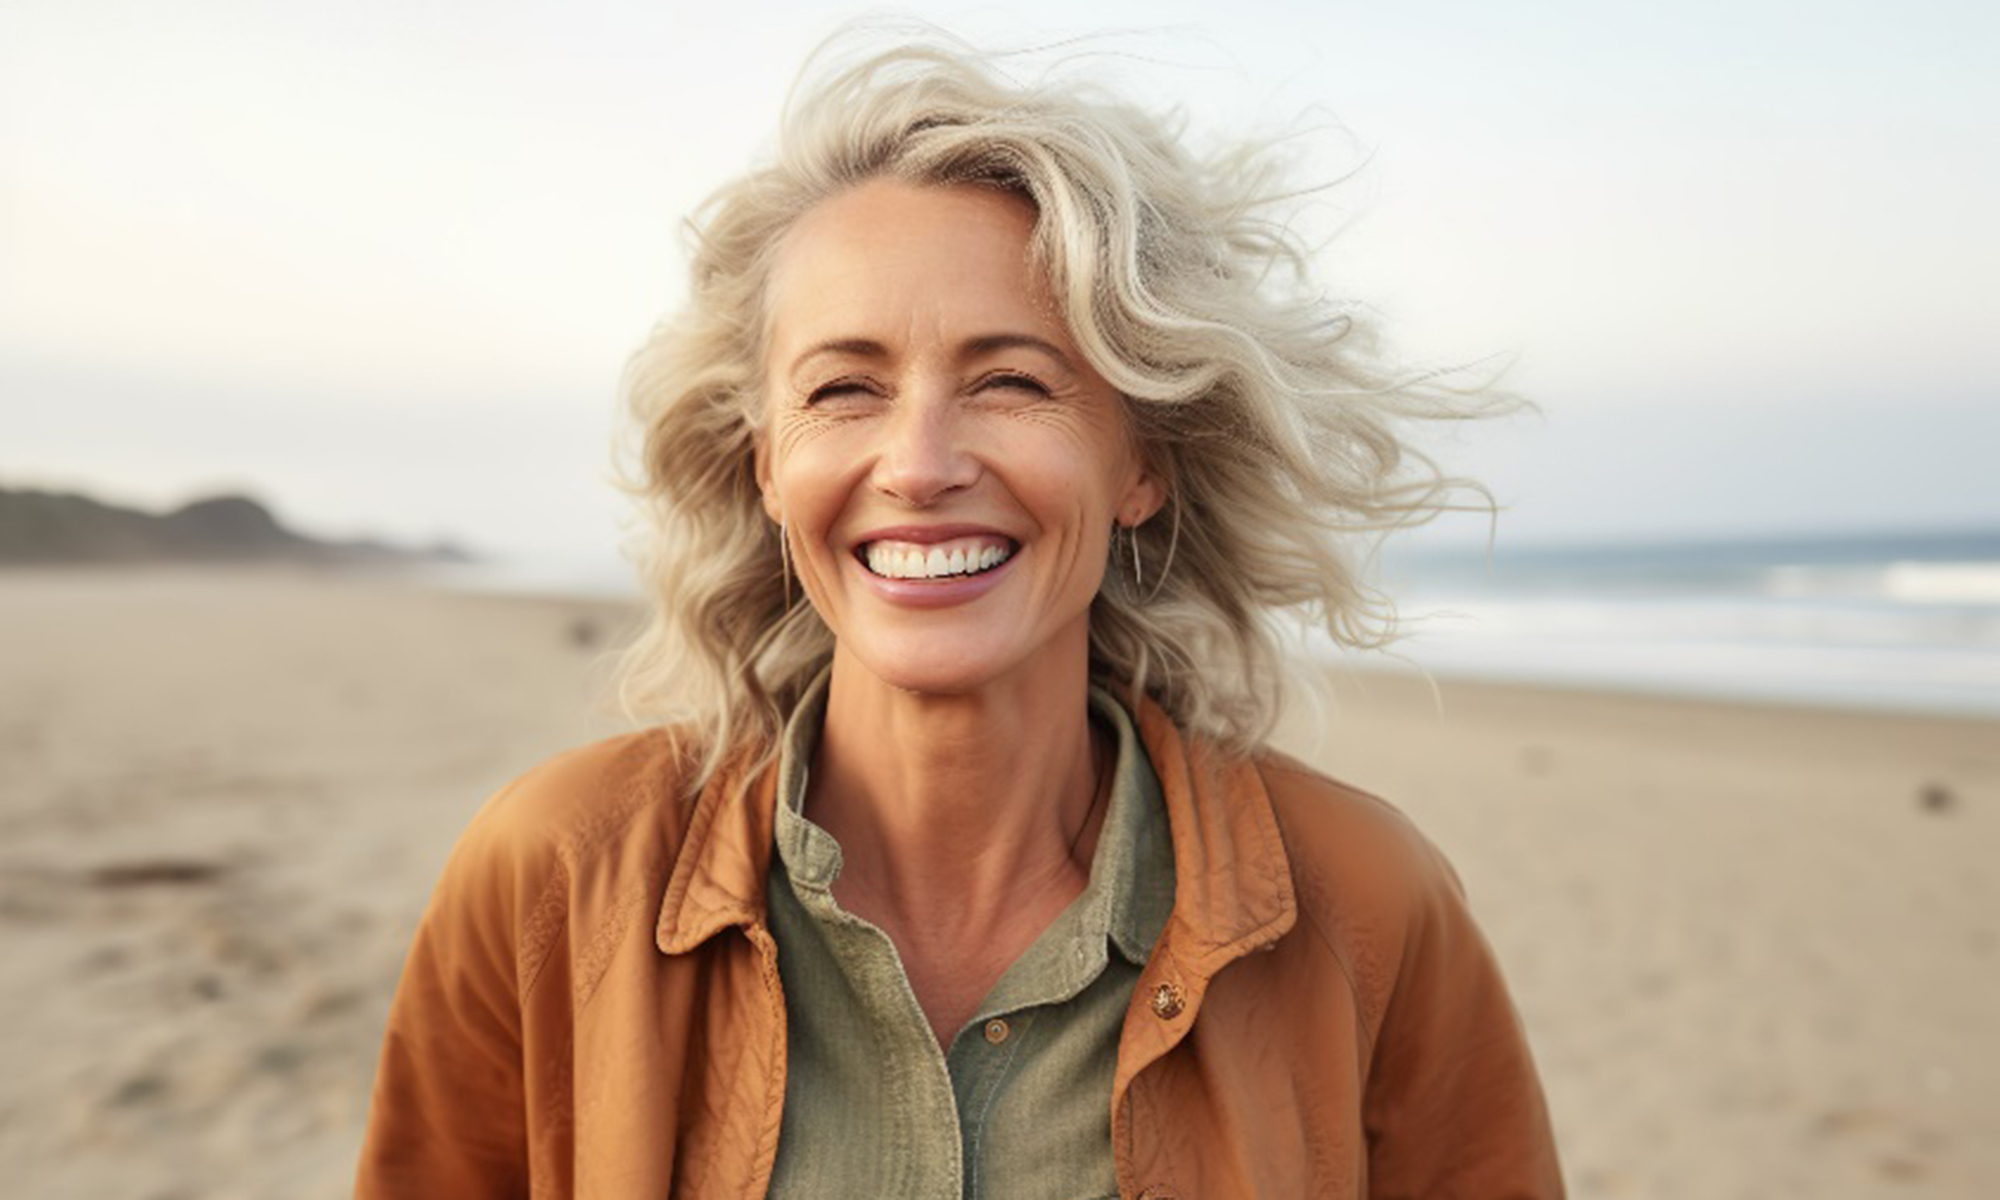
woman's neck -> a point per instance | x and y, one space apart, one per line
951 809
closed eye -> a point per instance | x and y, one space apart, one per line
836 389
1014 380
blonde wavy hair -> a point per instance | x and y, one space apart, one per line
1263 405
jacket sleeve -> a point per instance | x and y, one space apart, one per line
447 1120
1454 1109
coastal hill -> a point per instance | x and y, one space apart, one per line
54 528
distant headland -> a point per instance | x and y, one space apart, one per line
39 528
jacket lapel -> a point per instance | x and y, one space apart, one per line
719 875
1232 894
729 1141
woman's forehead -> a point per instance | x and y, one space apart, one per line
890 262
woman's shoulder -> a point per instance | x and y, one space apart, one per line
552 850
613 806
1335 837
1331 822
1452 1102
575 799
1367 880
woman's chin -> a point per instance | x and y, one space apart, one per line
935 678
939 662
963 648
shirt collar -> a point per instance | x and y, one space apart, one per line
1232 882
1135 852
808 854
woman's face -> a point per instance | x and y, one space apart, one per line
947 465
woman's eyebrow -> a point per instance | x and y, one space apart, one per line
1015 341
859 347
972 348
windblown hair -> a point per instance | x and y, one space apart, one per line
1263 405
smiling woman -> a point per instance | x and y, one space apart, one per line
982 457
928 414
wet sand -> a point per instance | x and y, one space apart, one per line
1757 948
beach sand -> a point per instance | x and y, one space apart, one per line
1757 949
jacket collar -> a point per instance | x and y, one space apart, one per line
1232 879
718 877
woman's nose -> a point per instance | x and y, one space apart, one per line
923 454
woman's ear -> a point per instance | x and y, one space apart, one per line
1146 496
761 462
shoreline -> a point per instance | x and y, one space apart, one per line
475 584
1487 688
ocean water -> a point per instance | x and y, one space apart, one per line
1886 621
1903 622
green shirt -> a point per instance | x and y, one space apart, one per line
1019 1108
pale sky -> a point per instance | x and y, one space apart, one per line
382 263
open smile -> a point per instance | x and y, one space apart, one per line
954 558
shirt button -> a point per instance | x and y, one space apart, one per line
996 1031
1168 1001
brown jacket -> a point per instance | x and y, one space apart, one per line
592 1008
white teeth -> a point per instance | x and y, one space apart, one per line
964 556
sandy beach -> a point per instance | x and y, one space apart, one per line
1757 949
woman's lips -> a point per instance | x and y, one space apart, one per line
940 591
900 559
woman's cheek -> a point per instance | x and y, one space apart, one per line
810 461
